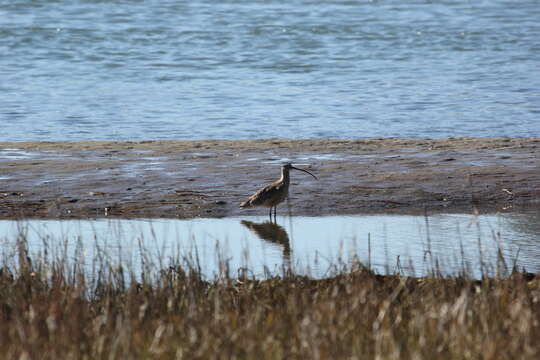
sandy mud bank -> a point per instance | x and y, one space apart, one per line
209 178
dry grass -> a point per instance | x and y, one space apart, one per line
52 310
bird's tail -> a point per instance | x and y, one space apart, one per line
245 204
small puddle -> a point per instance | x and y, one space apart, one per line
13 154
16 154
276 159
314 246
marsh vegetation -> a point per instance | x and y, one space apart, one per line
52 308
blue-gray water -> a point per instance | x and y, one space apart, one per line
131 70
412 245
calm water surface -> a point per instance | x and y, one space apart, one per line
131 70
307 245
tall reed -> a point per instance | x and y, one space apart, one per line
52 308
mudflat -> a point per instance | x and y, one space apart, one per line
210 178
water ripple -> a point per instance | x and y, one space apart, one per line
201 69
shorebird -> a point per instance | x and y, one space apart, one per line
273 194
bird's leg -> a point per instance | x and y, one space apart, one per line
275 213
270 213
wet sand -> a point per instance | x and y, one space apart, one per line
209 178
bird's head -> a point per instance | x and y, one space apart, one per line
289 166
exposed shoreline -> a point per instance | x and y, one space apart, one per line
210 177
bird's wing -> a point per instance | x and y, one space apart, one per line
265 194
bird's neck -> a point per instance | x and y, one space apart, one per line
284 176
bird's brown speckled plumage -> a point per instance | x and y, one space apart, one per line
273 194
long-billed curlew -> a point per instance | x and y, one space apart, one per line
273 194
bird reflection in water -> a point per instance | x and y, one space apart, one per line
273 233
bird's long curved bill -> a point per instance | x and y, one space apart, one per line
292 167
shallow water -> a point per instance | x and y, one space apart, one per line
412 245
131 70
